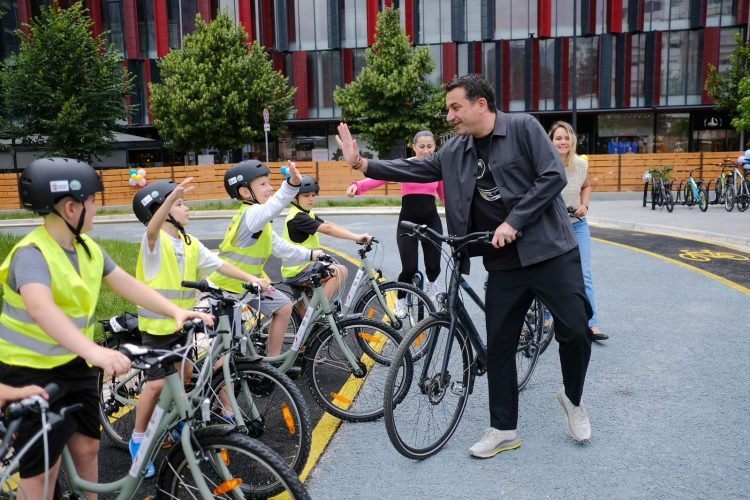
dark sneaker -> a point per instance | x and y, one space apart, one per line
576 418
150 469
493 442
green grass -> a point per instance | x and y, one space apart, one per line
109 304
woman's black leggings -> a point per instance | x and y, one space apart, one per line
420 209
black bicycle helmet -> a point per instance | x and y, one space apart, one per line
47 180
241 175
308 185
148 200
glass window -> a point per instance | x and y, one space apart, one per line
489 63
9 22
138 102
323 73
473 20
112 23
679 14
625 25
727 45
187 19
436 52
656 15
503 14
625 133
360 61
147 29
354 23
721 13
547 80
694 70
311 19
585 89
462 50
173 24
638 71
305 18
517 75
672 132
562 18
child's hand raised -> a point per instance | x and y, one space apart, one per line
182 189
295 178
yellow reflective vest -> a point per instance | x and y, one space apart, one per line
312 242
22 341
167 284
250 259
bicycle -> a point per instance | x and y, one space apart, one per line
431 392
695 193
720 189
206 461
351 351
264 402
737 191
661 194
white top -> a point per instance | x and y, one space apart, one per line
576 177
208 261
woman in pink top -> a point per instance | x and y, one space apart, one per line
418 206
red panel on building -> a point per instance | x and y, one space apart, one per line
409 18
389 3
348 64
614 16
277 59
269 35
476 48
505 83
95 12
590 14
544 21
742 7
204 8
246 18
565 76
711 41
657 68
450 62
132 40
300 81
24 15
372 20
161 23
535 74
628 69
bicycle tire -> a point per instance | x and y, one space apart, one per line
688 195
668 200
422 420
703 202
729 199
743 198
529 345
354 399
419 306
118 418
282 420
262 471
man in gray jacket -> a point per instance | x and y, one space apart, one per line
502 174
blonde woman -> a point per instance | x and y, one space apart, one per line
577 197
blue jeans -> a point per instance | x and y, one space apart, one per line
583 234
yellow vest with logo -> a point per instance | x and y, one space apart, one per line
22 341
250 259
312 242
167 284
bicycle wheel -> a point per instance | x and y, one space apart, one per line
668 200
430 410
688 195
355 397
703 202
273 409
529 343
729 199
228 462
743 197
418 306
117 397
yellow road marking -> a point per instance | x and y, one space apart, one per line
720 279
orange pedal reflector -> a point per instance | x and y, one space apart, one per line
341 399
227 486
288 418
419 340
224 456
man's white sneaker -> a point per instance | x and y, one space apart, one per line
576 418
401 308
494 441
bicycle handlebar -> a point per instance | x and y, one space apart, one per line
15 412
205 287
422 231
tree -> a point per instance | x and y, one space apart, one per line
213 91
724 87
391 100
742 120
63 89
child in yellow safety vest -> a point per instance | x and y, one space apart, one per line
168 256
250 239
51 281
302 226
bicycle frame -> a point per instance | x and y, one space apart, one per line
366 277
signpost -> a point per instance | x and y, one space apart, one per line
266 128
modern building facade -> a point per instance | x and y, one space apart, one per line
628 73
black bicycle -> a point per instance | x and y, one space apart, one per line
425 396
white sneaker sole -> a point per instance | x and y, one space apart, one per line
505 447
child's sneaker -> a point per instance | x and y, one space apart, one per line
150 469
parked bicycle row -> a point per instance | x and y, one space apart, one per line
729 190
